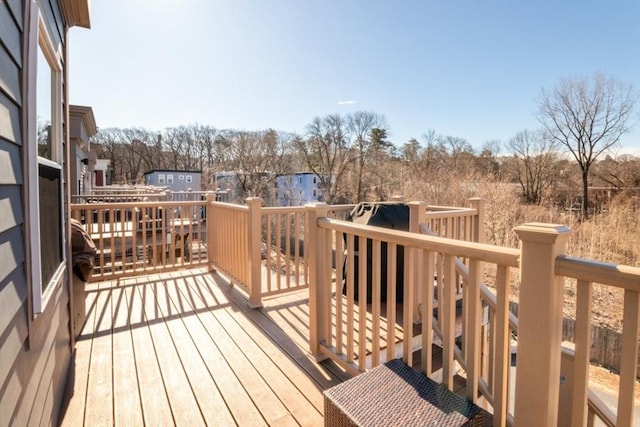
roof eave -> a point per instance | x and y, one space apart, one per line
86 115
77 13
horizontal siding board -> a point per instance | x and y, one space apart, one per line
11 207
59 20
12 355
13 297
31 368
62 354
10 164
52 25
10 33
9 120
37 368
11 249
16 9
9 77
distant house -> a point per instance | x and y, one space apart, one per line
101 173
297 189
174 180
36 302
82 126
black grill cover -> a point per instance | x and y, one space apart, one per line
387 215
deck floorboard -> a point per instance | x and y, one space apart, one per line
184 348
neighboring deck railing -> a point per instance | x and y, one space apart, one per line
144 237
146 194
355 334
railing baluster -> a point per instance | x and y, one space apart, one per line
338 297
427 311
327 285
472 343
392 268
375 302
582 339
350 297
502 346
362 304
629 357
447 314
409 286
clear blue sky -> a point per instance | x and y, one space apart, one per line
471 69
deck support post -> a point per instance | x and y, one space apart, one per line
417 216
540 324
254 244
478 204
315 250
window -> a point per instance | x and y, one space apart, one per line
169 179
50 211
314 193
314 179
180 177
160 178
189 178
44 154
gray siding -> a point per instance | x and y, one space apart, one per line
34 355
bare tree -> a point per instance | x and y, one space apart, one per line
535 163
327 153
368 131
587 116
258 157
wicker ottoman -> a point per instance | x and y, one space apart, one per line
393 394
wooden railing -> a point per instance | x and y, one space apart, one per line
144 237
149 194
261 248
588 272
264 250
358 335
120 198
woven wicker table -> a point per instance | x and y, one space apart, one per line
393 394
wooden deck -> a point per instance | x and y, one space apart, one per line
183 348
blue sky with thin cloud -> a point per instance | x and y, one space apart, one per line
471 69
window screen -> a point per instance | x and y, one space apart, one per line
50 221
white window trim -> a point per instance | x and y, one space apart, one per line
39 39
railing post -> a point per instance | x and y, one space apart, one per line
478 204
254 234
209 232
539 324
314 252
417 216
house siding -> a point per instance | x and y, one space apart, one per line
34 355
151 178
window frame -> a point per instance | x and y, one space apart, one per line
161 179
188 178
40 42
169 178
